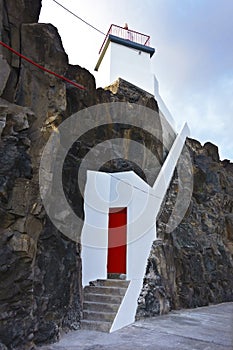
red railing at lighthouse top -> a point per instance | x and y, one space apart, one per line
127 34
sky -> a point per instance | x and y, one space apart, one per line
193 62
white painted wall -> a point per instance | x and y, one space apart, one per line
164 111
104 191
94 237
127 63
143 202
128 307
127 311
138 197
131 65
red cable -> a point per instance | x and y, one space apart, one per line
43 68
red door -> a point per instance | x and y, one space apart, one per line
117 225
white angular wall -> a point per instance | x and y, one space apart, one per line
125 189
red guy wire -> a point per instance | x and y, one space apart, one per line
42 68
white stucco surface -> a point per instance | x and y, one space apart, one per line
105 191
164 111
125 189
133 65
127 63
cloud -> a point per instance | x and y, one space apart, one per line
194 66
209 113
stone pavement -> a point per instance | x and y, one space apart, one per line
206 328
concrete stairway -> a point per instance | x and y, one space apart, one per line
102 299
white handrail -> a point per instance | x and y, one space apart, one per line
165 175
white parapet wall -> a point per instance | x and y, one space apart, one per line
163 109
104 191
126 189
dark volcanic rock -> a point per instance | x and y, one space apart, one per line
13 13
193 264
211 151
33 253
57 308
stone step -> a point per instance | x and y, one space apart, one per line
113 283
100 326
102 298
92 306
105 290
99 316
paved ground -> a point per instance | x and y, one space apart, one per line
206 328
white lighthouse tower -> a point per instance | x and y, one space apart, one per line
128 52
120 226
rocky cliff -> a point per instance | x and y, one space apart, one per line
40 268
192 265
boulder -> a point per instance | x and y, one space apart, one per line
211 150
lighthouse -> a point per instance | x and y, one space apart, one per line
121 208
125 54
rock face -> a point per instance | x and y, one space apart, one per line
12 15
192 266
40 284
40 268
34 256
